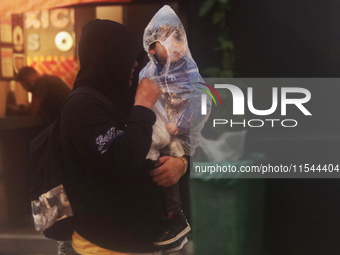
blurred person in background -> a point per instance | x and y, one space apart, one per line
48 94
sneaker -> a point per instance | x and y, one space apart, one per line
172 229
175 246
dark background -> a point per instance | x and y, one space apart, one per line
286 38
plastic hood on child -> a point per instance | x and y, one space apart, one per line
166 28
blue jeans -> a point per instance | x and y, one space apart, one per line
172 198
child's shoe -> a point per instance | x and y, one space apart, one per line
175 246
172 229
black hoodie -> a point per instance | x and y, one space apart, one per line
121 205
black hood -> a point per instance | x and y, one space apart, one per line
107 52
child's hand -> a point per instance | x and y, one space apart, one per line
172 128
147 93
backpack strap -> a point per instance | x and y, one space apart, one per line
91 91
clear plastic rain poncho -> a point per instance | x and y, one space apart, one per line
177 130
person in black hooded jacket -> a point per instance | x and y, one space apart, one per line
107 178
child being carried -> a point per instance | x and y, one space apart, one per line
177 130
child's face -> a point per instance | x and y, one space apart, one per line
176 46
160 53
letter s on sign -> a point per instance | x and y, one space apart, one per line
33 42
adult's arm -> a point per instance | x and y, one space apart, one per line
104 139
33 108
107 138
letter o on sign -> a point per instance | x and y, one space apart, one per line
63 41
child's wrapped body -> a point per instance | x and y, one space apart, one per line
179 119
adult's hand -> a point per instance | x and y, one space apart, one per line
147 93
168 171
